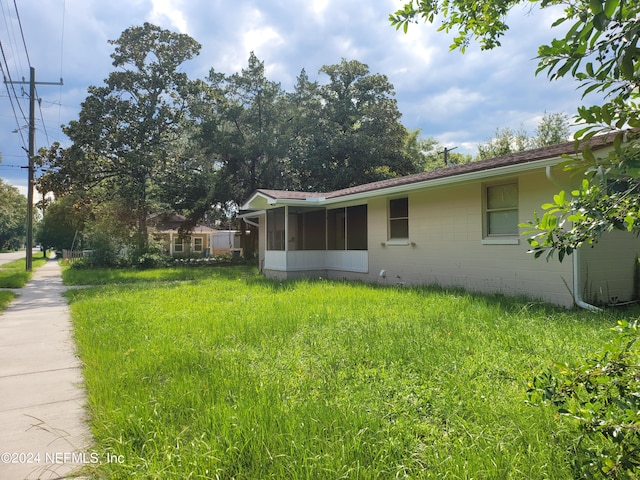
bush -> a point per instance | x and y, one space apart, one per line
151 260
600 399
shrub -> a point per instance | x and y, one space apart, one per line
151 260
600 399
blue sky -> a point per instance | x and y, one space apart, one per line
460 100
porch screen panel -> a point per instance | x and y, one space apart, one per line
336 229
315 230
275 229
357 228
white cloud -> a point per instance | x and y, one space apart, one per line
259 37
460 99
168 11
452 102
319 7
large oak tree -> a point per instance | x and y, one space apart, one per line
128 128
348 131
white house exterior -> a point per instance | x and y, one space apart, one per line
457 226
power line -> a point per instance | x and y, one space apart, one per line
2 165
16 57
11 36
64 11
4 66
26 51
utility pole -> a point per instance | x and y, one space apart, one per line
32 142
446 155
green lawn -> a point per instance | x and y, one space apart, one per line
14 274
228 375
5 297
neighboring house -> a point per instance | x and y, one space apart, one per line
456 226
196 242
226 241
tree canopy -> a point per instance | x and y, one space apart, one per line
13 216
553 128
152 139
348 131
127 128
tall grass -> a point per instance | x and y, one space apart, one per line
109 276
234 376
14 274
5 298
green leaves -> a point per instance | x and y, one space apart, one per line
13 212
129 127
483 21
599 398
607 199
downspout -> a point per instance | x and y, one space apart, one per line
577 295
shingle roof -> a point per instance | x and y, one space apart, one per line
527 156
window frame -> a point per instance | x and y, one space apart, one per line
275 229
196 241
397 220
178 244
499 237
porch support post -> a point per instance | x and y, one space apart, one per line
286 228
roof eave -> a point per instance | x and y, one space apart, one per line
442 181
408 187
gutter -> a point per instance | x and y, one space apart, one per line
246 216
577 296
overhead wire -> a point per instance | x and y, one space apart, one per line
26 50
4 66
11 38
13 43
14 98
64 13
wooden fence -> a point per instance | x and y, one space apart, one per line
70 256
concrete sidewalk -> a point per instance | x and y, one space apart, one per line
43 430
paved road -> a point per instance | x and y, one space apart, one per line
43 433
11 256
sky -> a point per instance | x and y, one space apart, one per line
458 99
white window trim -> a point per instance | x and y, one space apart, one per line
505 240
397 240
496 239
178 247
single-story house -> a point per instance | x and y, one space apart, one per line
456 226
196 242
225 241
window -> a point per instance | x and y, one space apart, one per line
399 218
347 228
307 229
501 215
197 244
178 245
275 229
357 228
